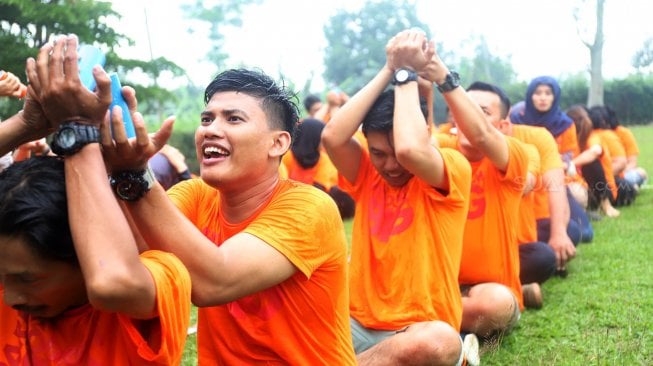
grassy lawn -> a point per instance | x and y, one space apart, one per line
602 313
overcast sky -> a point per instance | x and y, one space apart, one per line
287 35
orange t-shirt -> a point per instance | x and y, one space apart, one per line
303 320
568 141
627 140
444 127
406 246
527 226
596 138
87 336
550 159
490 250
613 142
324 172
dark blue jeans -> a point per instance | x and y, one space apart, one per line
579 228
537 262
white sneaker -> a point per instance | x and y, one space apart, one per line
471 354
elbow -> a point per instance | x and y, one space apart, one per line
212 295
110 293
327 138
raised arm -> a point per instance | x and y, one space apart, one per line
116 279
413 148
470 117
338 135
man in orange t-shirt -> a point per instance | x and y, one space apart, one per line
63 306
267 256
411 201
69 260
489 270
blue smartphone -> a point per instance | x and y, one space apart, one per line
89 56
118 100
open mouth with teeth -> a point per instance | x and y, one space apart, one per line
214 152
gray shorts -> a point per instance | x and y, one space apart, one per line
366 338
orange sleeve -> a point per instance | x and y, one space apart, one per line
568 141
173 287
613 143
446 140
628 140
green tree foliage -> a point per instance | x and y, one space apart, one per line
485 66
222 14
574 90
25 26
643 58
356 40
631 98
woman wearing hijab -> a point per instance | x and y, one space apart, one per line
541 107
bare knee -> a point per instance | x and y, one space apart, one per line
489 308
431 343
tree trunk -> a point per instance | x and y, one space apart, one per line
595 95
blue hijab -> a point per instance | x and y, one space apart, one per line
554 120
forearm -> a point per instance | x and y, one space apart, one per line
115 277
12 134
410 131
344 125
165 228
558 201
632 162
587 156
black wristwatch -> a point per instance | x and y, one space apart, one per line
72 136
132 185
451 82
402 76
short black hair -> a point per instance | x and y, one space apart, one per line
380 116
503 97
310 100
599 117
613 120
33 207
276 100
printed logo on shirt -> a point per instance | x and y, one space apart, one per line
262 305
477 197
389 214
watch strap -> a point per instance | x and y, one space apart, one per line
451 82
130 185
84 135
402 76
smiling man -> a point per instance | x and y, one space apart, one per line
267 256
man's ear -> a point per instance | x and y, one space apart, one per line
505 127
280 143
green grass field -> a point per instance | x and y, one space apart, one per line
602 313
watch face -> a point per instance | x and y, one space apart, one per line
401 75
66 138
128 190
